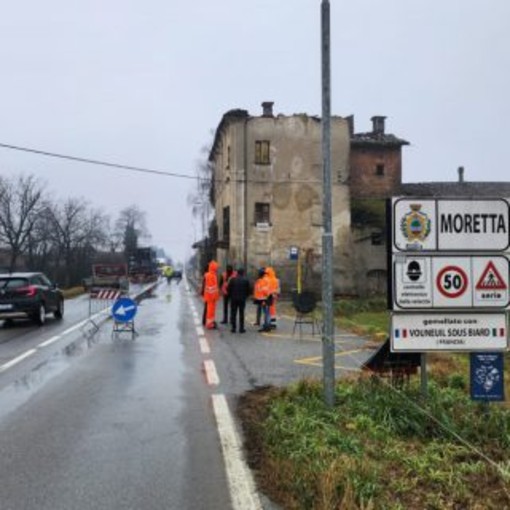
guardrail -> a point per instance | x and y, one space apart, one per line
100 317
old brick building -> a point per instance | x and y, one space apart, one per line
375 161
268 194
375 175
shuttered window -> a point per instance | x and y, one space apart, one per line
262 149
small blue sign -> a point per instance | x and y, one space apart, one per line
124 309
293 253
487 376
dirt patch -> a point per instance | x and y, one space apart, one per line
252 408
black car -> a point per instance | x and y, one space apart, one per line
29 295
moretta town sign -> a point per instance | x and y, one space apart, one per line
451 224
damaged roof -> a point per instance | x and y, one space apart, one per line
235 114
370 139
454 189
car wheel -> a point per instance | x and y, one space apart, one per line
40 317
59 312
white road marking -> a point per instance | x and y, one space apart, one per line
46 343
211 374
242 487
197 321
204 345
15 361
243 492
79 325
50 341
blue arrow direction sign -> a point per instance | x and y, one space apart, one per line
124 309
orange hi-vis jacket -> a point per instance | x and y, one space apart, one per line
261 290
274 283
211 290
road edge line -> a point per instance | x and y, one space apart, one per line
243 493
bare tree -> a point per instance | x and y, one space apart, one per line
41 244
202 199
114 238
21 203
68 221
78 230
131 225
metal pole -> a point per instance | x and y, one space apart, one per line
245 197
423 374
328 345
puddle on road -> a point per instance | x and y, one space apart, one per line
22 389
17 393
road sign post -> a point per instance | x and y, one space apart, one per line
123 313
450 267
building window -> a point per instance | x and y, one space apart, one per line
226 225
379 169
262 152
228 157
262 211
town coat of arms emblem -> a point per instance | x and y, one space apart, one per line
415 225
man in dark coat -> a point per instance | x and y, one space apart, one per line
239 291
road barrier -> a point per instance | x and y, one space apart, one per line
102 300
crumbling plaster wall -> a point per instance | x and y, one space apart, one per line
292 185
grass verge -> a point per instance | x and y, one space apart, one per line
379 448
73 292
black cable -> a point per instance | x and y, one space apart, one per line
149 170
97 162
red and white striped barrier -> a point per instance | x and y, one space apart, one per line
111 294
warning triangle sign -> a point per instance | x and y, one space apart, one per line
491 279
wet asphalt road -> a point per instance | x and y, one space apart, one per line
120 424
115 424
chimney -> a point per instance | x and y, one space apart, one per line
461 173
350 124
267 109
378 124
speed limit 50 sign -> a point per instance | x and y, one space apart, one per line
433 282
452 281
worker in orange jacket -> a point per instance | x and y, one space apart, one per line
262 297
211 294
274 289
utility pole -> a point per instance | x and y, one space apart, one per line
328 329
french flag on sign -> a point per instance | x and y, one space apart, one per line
401 333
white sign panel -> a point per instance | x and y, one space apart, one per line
413 282
451 282
449 224
414 224
452 332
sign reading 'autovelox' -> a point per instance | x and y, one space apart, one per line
481 225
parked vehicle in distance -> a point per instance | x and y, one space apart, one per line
29 295
143 266
111 276
177 274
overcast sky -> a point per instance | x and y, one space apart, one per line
146 83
